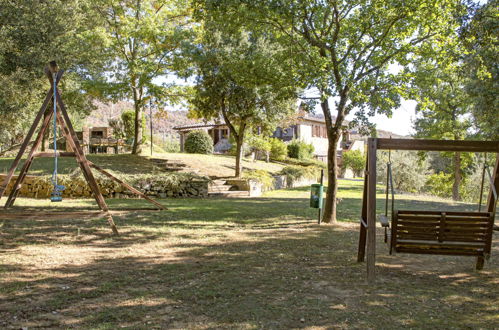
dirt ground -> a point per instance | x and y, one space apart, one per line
285 272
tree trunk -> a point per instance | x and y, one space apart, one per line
457 177
137 141
332 185
239 155
333 136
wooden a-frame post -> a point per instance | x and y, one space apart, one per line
368 213
69 133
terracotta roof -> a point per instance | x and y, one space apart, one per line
200 125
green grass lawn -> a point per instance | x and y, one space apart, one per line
209 165
231 263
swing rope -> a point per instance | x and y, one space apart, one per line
56 195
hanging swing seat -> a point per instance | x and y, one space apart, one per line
56 195
444 233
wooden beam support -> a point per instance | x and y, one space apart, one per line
491 200
363 216
51 154
70 135
371 210
127 186
29 160
438 145
29 135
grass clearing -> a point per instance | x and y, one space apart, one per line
209 165
238 263
218 165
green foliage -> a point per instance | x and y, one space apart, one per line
262 176
142 40
198 142
127 125
300 149
259 143
24 54
240 78
278 149
354 160
440 184
294 173
305 162
408 171
170 144
480 36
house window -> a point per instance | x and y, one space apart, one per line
97 134
319 131
225 133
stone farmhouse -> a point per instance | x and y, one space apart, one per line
307 128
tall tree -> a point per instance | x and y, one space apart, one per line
349 50
143 42
442 106
480 36
241 81
34 33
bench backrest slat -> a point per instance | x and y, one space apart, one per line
436 232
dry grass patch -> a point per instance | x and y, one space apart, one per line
214 263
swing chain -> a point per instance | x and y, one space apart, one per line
56 195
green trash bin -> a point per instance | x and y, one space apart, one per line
316 195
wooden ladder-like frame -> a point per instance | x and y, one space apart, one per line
69 134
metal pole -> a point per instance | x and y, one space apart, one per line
320 209
150 119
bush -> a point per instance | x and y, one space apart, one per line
294 173
261 176
128 125
278 149
300 149
440 184
260 145
199 142
354 160
305 162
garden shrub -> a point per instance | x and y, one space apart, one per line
353 160
262 176
260 145
305 162
294 173
278 149
300 149
127 125
440 184
198 142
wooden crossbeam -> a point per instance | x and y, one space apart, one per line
51 154
127 186
438 145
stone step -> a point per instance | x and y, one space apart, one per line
216 188
230 194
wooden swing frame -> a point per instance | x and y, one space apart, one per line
367 237
69 133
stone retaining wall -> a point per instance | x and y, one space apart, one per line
77 187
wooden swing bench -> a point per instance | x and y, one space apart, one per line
443 233
427 232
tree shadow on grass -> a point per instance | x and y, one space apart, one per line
260 280
213 213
